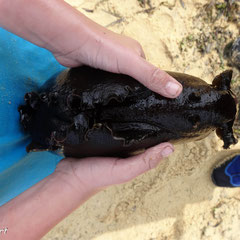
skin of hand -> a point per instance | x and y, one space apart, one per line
74 40
37 210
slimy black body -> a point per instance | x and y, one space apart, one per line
88 112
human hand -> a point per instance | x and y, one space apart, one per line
95 173
74 39
73 182
116 53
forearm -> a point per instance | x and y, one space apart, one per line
75 40
48 24
33 213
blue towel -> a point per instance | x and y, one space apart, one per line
24 67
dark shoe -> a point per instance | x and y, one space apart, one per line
227 174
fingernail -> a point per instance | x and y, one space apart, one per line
166 151
173 88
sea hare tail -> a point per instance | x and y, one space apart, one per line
225 132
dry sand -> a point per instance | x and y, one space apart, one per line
177 200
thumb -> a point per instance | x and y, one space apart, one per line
97 173
153 77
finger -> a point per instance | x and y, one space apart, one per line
154 78
124 170
96 173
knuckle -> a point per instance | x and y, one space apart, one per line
155 77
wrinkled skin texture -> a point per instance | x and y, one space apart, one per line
89 112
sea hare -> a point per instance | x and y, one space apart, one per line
89 112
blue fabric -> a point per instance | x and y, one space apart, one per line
233 171
24 67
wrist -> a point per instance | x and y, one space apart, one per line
66 176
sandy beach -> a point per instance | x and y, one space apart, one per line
177 200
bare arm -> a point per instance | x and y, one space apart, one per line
33 213
74 40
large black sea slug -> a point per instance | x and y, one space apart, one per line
89 112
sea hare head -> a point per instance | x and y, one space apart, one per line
89 112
